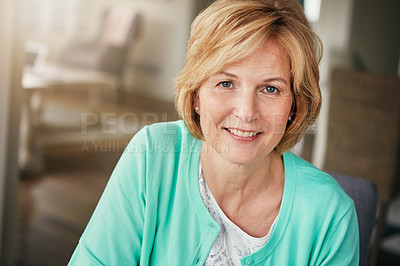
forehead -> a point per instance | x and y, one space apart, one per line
269 58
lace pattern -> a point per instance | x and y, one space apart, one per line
232 243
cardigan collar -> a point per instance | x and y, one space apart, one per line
210 225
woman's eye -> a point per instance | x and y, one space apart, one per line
270 89
226 84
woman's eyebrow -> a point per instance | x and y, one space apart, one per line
221 73
282 80
276 79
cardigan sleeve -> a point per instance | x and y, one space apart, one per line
114 234
342 244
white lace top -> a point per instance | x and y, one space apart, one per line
232 243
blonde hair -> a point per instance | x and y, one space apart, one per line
229 30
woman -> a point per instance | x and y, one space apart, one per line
220 187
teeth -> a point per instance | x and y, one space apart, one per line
240 133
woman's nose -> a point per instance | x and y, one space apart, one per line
246 108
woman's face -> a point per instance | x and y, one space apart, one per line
245 107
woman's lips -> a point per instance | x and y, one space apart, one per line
242 133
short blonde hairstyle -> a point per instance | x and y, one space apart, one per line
229 30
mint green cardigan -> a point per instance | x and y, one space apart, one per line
151 212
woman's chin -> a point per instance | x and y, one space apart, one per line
242 158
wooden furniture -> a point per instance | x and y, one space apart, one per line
53 78
89 67
364 134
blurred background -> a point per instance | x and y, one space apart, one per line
78 78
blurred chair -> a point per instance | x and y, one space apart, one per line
365 197
364 135
109 51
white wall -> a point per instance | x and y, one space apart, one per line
375 39
161 50
10 95
58 23
333 27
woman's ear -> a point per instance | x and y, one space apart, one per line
293 110
196 104
292 113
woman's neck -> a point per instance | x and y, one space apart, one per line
234 185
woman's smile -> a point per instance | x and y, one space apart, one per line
243 133
244 136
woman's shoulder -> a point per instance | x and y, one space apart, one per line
322 216
160 140
157 148
167 130
315 186
164 132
